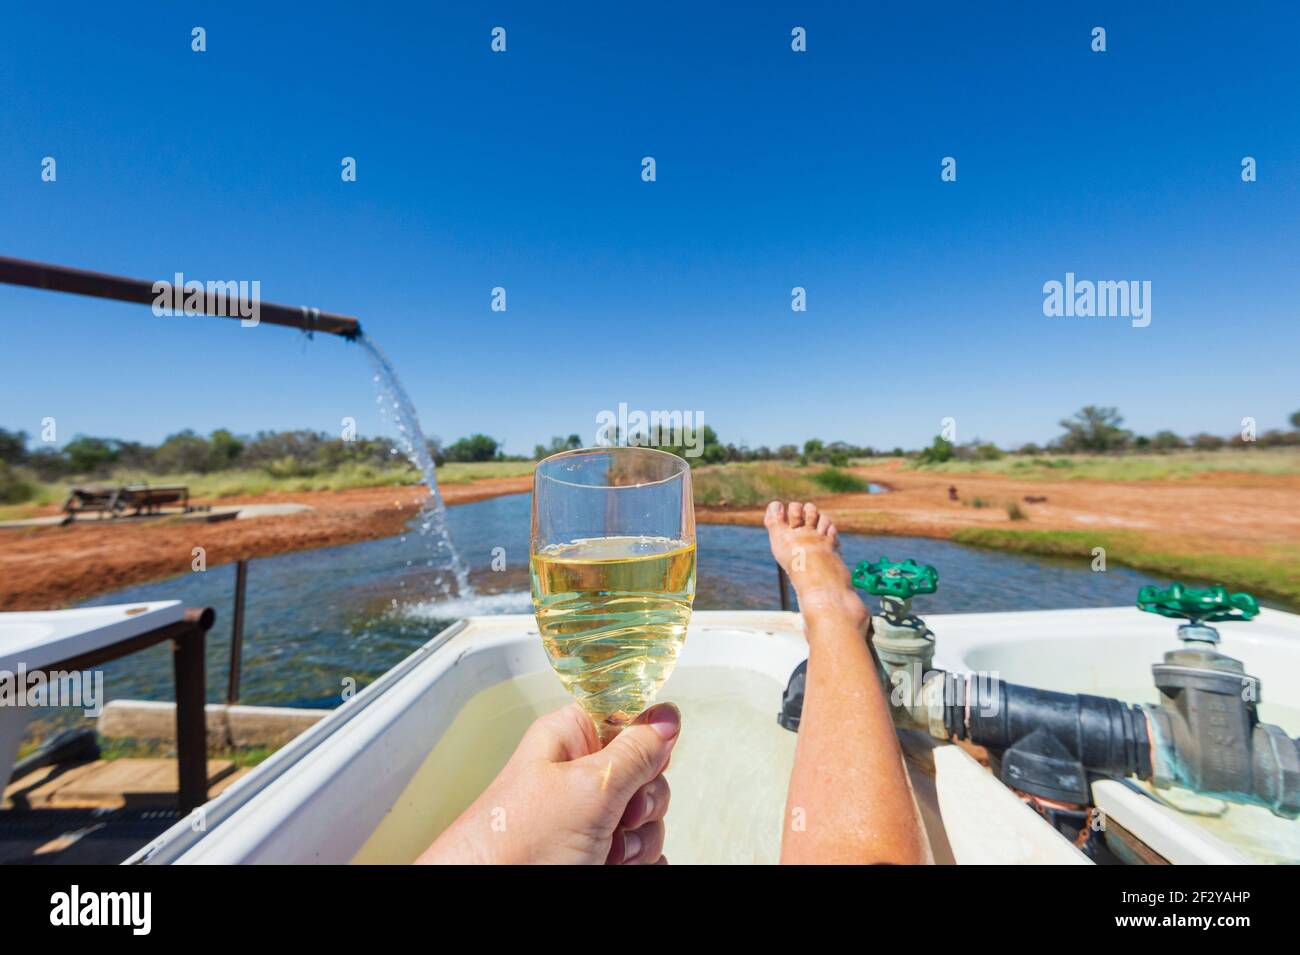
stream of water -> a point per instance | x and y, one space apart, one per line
431 523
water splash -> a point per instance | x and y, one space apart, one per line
432 520
454 608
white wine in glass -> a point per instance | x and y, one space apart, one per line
613 574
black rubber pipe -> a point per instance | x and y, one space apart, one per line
1107 736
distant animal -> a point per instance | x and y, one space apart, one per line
1035 499
952 492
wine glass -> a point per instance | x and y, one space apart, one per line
613 574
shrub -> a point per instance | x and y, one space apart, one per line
90 455
14 488
182 452
1094 429
477 447
750 485
937 453
289 467
839 482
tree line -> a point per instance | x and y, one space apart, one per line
1096 429
1093 429
301 453
282 453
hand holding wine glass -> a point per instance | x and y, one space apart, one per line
613 574
564 799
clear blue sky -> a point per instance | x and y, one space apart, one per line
775 169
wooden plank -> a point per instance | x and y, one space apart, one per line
111 784
35 788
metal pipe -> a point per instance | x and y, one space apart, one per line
60 278
191 715
237 632
782 586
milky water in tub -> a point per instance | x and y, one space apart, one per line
729 771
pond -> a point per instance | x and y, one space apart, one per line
318 620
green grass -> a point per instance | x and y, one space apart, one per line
1129 467
745 485
1274 574
750 484
840 482
482 470
250 482
127 748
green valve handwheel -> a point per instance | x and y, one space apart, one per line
1197 604
903 579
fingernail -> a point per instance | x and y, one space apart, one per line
666 720
649 804
631 844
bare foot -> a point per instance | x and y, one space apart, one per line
806 545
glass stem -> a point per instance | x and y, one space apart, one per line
607 731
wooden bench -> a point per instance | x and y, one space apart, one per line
149 499
114 501
100 499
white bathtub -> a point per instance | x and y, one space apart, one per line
382 775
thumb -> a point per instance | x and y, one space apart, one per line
640 753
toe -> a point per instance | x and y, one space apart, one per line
810 515
775 514
823 524
794 514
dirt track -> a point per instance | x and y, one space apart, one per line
1239 513
46 567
